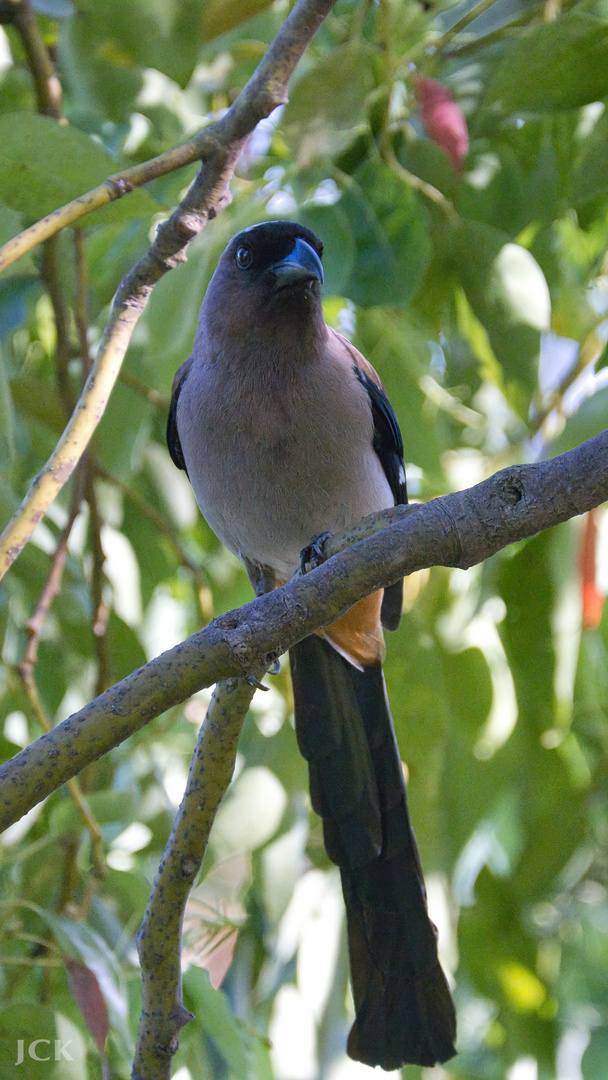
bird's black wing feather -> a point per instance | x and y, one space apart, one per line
388 445
175 446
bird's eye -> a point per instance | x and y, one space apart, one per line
244 256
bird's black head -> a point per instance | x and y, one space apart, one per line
277 255
265 296
267 283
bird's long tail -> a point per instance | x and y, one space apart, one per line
404 1010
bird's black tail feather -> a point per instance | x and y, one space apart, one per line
404 1011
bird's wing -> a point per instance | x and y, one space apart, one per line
388 445
175 447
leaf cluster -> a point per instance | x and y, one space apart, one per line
481 301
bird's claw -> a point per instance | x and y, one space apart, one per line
313 554
252 680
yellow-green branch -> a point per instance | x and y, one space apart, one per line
112 189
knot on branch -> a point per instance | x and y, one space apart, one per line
276 94
189 868
511 488
181 1016
188 224
119 186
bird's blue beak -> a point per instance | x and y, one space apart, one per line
302 264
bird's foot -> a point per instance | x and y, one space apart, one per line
252 680
314 553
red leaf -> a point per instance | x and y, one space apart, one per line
443 120
90 1000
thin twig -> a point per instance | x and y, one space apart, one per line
52 584
158 521
146 392
161 523
27 666
48 99
110 190
46 83
101 611
220 147
430 192
159 939
82 300
460 529
51 274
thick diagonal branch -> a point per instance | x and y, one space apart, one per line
460 529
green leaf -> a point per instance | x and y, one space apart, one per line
595 1058
120 37
331 224
561 64
389 229
7 415
11 223
400 354
590 419
333 93
126 650
251 812
27 1021
509 295
78 942
7 749
72 1050
219 16
108 807
45 164
425 159
591 176
232 1040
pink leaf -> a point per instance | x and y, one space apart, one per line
443 120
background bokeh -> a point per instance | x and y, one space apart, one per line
480 294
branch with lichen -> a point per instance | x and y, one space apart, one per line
460 530
218 147
159 938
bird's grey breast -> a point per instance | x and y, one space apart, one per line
276 461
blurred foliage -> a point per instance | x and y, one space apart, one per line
481 299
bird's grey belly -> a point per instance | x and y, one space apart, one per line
268 510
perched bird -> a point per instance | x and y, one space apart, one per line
285 432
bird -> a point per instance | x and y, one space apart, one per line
286 435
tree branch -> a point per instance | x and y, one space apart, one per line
460 529
159 938
218 146
46 83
